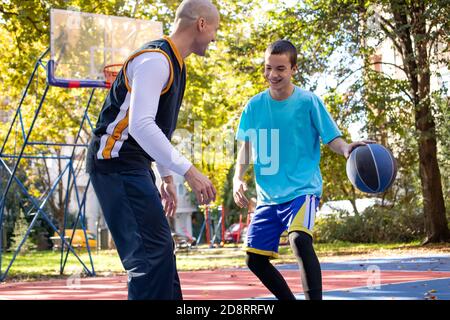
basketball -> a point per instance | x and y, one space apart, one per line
371 168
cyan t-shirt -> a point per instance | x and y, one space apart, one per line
285 137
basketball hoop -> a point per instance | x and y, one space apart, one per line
78 58
111 71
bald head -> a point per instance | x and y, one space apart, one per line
196 25
189 11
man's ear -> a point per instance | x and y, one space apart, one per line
201 24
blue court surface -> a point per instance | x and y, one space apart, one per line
399 278
435 263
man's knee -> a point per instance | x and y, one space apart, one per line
137 270
301 240
256 262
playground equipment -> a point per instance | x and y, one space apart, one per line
85 52
211 229
211 232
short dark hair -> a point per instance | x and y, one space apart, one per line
282 47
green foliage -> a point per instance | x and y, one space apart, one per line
20 227
376 224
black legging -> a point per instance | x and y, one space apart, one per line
301 244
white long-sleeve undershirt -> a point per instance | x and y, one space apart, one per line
148 75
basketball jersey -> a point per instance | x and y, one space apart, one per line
112 148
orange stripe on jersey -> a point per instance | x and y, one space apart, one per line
169 83
175 50
117 133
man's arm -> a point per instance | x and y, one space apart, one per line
341 147
163 171
242 164
148 77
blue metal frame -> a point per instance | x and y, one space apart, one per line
214 234
200 233
71 83
217 234
38 204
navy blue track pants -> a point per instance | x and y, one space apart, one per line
134 214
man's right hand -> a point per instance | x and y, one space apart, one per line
239 188
201 185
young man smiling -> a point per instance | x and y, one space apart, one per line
288 192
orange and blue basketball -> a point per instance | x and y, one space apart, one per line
371 168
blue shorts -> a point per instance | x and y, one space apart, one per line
270 221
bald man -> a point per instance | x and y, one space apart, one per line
134 129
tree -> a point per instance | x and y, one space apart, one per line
415 29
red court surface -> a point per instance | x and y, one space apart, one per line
202 285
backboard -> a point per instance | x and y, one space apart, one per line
81 44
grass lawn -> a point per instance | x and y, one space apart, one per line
45 264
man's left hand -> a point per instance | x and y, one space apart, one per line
169 196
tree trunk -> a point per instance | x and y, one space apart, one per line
434 208
353 202
430 176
